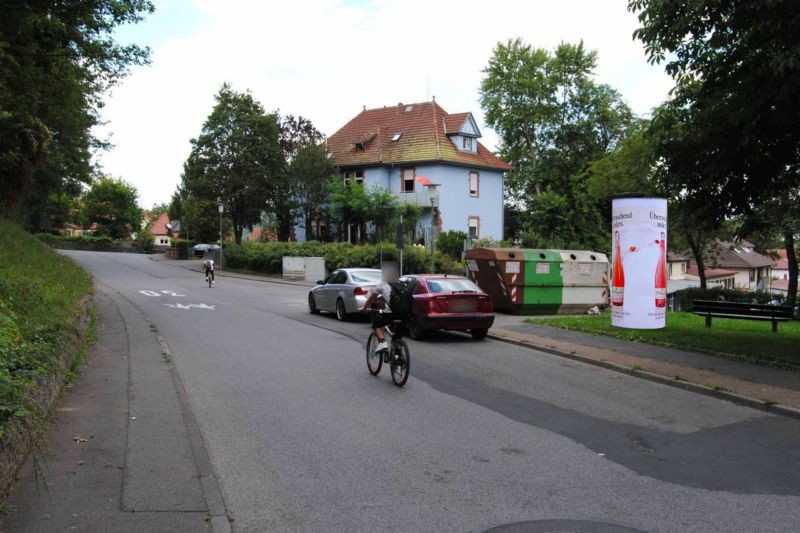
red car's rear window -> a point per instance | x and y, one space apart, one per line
451 285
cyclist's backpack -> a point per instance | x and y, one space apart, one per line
401 301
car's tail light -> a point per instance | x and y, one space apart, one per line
360 291
484 304
438 304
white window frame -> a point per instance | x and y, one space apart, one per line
477 226
403 179
477 183
467 143
356 175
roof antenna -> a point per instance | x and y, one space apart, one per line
428 88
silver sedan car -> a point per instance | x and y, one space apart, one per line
343 292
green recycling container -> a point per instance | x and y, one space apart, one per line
540 282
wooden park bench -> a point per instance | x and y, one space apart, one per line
773 313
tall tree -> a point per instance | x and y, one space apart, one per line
56 61
290 194
237 158
111 204
553 119
310 170
733 113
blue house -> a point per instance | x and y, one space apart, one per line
407 147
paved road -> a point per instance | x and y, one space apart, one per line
484 434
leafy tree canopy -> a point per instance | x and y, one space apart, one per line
733 124
237 158
56 61
111 204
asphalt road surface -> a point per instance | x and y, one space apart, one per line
484 434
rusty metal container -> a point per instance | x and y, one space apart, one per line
540 282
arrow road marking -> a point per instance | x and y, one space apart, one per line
190 306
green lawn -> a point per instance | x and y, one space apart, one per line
749 339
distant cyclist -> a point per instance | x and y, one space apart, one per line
208 267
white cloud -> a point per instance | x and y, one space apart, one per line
324 59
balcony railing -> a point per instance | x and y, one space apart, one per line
418 198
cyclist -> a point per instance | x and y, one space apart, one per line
388 294
208 268
379 297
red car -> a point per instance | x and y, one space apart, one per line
451 303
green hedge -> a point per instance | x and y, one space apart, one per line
268 257
685 297
82 242
39 294
183 248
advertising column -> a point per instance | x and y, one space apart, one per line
639 263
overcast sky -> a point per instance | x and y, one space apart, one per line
325 59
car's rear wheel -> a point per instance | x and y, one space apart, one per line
479 334
415 330
341 310
312 305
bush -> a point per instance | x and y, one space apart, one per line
268 257
451 243
39 294
81 242
145 241
685 297
183 248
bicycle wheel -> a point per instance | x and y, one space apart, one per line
208 279
402 363
374 360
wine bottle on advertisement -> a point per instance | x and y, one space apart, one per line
661 274
617 275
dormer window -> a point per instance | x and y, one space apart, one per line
396 136
467 143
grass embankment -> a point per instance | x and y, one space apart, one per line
40 295
750 340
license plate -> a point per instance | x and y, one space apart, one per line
462 306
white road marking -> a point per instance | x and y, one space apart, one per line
191 306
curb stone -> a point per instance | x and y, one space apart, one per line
705 390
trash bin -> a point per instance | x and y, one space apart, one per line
540 282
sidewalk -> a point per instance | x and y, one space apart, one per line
770 389
124 452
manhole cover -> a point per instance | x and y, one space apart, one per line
563 526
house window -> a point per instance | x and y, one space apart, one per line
356 176
683 268
407 180
467 143
474 184
474 227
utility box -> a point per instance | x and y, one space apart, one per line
540 282
304 268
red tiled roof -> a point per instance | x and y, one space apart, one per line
711 273
454 122
423 127
160 225
780 284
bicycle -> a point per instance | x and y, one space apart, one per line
209 277
398 356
